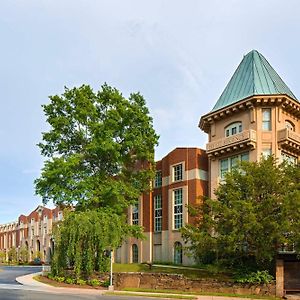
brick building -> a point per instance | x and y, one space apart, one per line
33 232
181 179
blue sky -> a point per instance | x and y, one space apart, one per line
178 54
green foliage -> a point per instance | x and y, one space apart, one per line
12 254
99 159
2 256
105 283
257 210
94 282
258 277
23 254
82 238
70 280
80 282
59 278
99 149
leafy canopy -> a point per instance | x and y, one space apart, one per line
99 149
255 214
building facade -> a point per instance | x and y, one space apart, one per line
257 114
181 180
32 232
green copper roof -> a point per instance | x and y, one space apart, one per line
254 76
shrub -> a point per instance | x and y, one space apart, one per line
59 279
80 282
70 280
257 277
105 283
94 282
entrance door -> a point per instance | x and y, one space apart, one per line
291 275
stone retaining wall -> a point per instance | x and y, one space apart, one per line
179 282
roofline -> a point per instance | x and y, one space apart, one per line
243 102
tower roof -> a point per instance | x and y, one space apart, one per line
254 76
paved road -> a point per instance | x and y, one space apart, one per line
8 274
7 294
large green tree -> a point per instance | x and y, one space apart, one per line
255 214
99 159
99 149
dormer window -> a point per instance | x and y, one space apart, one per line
289 125
233 128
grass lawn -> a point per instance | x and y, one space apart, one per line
193 273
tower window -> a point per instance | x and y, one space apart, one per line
289 125
266 119
233 129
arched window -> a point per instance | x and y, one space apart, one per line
177 253
289 125
233 128
135 253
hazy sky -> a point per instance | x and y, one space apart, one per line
178 54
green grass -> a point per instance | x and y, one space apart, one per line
139 290
193 273
151 295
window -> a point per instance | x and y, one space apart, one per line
178 253
135 215
266 152
266 119
233 128
157 213
289 125
178 208
231 163
177 172
158 179
135 253
290 159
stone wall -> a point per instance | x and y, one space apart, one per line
179 282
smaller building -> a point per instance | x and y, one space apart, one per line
32 232
181 179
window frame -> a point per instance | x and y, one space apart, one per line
289 125
233 128
135 253
157 199
135 215
267 121
177 208
177 174
230 165
158 179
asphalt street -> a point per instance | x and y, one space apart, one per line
10 289
8 274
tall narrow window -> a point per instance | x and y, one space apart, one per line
135 253
157 213
224 168
158 179
177 172
178 208
178 253
266 119
135 215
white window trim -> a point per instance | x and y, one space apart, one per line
155 210
172 171
173 208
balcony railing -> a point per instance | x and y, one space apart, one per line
289 135
233 142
